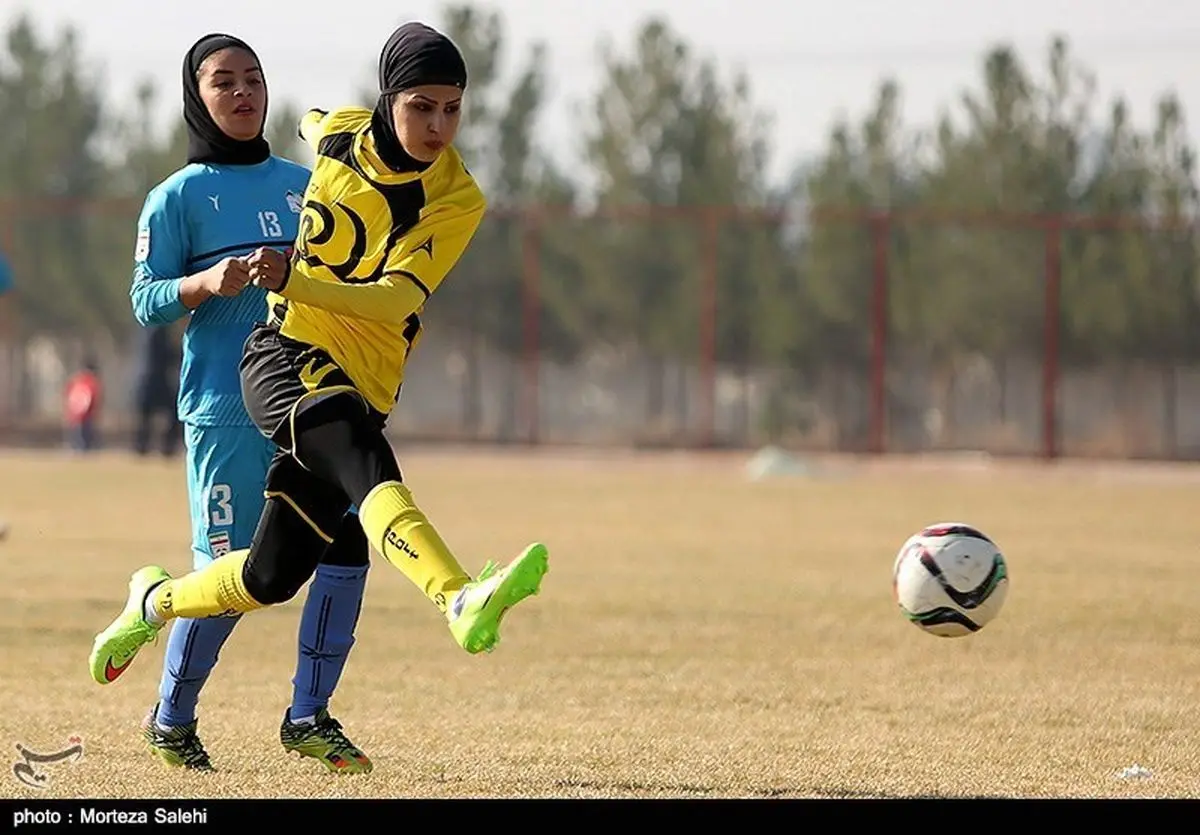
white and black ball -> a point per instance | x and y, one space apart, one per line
950 579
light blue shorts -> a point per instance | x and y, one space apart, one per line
226 469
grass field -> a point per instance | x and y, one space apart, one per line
698 635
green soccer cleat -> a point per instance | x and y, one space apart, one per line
324 741
479 607
178 747
115 647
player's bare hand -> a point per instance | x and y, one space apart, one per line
268 268
227 277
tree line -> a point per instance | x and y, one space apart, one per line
668 129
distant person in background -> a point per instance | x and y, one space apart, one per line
156 389
82 401
195 231
6 286
6 314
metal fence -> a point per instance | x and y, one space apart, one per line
832 329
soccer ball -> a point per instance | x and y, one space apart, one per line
950 579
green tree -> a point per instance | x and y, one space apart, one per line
870 167
54 119
482 301
668 133
282 131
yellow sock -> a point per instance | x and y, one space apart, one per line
398 529
216 589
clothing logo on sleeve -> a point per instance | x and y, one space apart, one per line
295 202
216 201
142 248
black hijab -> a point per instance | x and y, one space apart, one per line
206 141
414 55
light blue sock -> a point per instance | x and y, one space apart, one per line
326 636
192 651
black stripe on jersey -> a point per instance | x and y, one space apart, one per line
248 247
340 146
420 284
411 325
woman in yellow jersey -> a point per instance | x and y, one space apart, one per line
389 210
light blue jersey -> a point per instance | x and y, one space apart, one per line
193 219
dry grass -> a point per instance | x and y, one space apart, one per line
698 635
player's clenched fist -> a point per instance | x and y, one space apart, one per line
227 277
268 268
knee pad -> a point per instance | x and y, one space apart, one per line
271 584
284 554
349 548
271 587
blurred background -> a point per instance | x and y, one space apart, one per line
871 227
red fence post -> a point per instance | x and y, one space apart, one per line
881 236
708 328
1050 356
530 320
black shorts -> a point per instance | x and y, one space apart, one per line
281 377
282 380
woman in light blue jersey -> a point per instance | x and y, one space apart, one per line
194 234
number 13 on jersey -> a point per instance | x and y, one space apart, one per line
269 223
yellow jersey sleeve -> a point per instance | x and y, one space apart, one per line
418 264
317 123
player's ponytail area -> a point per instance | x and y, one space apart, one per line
702 633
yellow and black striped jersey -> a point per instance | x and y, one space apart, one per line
373 245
